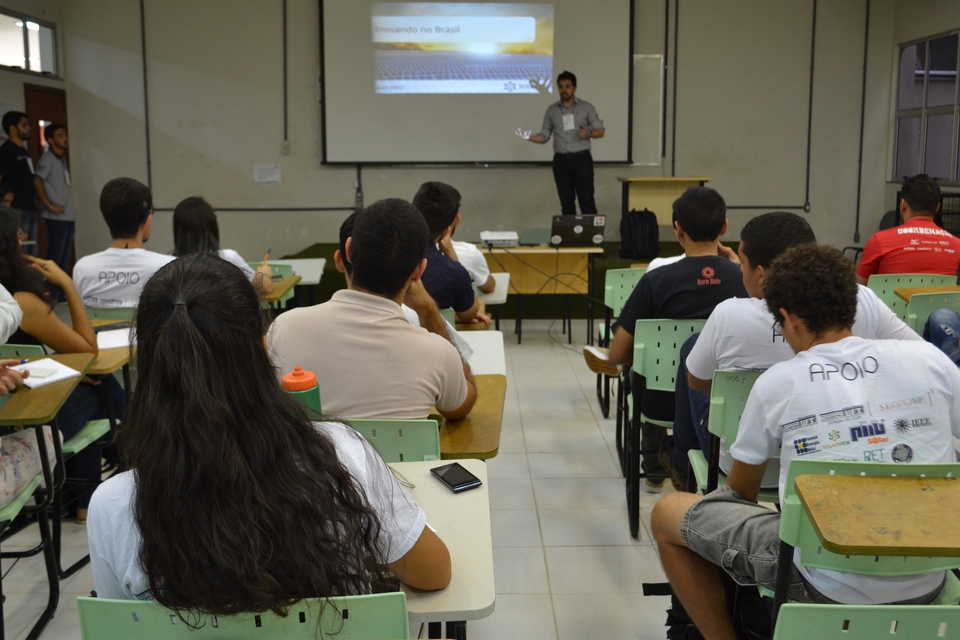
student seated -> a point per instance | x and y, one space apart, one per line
687 289
942 329
742 334
812 293
370 362
916 246
115 276
21 275
235 501
470 256
446 280
195 230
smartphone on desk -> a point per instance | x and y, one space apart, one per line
456 477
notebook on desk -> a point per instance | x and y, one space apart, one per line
577 231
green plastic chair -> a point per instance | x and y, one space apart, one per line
849 622
449 315
885 285
618 285
656 356
923 304
401 440
278 270
381 616
21 350
44 498
114 313
797 531
728 397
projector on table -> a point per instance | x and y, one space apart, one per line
499 238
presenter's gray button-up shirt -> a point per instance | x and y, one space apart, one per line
584 115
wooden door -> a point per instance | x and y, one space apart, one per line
44 105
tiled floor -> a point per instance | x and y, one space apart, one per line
565 564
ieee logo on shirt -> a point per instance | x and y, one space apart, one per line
806 446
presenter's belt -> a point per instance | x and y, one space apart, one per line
573 153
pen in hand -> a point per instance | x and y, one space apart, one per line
266 256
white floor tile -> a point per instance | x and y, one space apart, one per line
511 493
586 440
602 569
515 528
587 527
520 570
572 465
580 493
618 615
517 617
508 465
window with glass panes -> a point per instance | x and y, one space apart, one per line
27 44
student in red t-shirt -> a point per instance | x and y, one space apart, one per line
916 246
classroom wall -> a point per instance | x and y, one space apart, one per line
216 110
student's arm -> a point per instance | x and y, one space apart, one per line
261 279
746 479
42 194
621 349
489 286
427 565
10 315
699 384
464 409
44 325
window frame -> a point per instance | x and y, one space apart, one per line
924 112
25 18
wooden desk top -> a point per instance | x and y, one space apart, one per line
545 248
38 406
109 360
462 521
477 435
281 288
668 179
908 292
883 515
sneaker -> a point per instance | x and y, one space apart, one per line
598 359
653 486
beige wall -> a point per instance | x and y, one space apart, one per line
216 111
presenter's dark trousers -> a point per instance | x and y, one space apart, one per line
573 173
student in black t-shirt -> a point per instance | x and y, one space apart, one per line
16 173
687 289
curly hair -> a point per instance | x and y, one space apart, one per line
817 284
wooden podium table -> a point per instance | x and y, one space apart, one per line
656 194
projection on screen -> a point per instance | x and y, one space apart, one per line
459 47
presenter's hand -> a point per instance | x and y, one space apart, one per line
523 133
584 133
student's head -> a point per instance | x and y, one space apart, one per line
15 275
126 205
340 255
701 213
439 203
16 125
921 194
195 227
387 247
764 238
816 284
566 85
241 503
56 136
6 196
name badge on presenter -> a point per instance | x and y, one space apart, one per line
568 124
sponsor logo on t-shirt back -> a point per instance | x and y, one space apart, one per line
848 370
708 274
835 441
925 231
119 277
871 431
806 446
903 403
805 421
902 453
873 455
840 415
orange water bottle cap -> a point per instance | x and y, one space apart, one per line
299 380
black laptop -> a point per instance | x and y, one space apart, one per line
577 231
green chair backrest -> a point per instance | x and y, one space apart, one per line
797 530
278 269
618 286
728 397
923 304
885 285
535 236
449 315
656 350
856 622
113 313
381 616
401 440
21 350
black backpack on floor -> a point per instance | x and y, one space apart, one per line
639 235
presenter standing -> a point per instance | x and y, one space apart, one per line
572 123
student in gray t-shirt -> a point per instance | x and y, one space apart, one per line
52 183
572 123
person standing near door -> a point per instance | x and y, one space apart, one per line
16 173
52 183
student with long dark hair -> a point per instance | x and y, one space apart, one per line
23 277
235 501
195 230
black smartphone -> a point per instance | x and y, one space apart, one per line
111 326
456 477
276 278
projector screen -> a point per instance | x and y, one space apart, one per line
452 82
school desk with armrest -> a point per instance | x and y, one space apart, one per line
497 297
886 287
478 434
